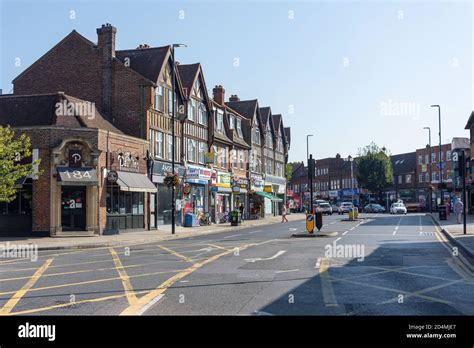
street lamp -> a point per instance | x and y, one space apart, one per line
307 145
440 161
429 163
173 116
350 159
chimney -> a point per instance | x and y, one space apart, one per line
234 97
218 94
106 47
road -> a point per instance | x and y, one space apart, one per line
378 265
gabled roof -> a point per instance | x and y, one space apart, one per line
287 131
277 122
148 62
246 129
218 135
403 163
470 121
244 107
42 110
73 34
188 74
266 113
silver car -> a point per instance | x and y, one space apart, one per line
325 208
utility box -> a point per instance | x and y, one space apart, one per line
442 212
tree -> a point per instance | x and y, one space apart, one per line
289 168
12 150
374 168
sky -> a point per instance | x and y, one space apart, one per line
348 72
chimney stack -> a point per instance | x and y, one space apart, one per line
106 46
218 94
234 97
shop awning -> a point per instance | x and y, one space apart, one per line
134 182
268 195
77 176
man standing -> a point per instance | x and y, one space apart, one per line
283 214
458 209
242 208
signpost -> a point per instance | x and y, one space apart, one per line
310 223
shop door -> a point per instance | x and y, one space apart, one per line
73 208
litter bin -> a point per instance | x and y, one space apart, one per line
351 213
442 212
189 220
235 218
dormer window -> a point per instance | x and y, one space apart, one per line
202 115
159 98
239 127
219 121
231 121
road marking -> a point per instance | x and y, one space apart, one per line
219 247
332 222
127 285
234 235
294 229
175 253
318 263
149 304
337 239
12 302
396 228
350 229
262 313
328 292
281 252
394 232
137 307
252 232
345 233
290 270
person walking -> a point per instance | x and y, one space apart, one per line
458 209
283 214
242 208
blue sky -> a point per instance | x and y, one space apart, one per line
349 72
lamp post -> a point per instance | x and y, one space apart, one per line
429 163
173 116
307 145
440 161
350 159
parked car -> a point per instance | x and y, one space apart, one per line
345 207
398 208
335 207
325 208
374 208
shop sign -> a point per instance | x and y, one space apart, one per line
236 189
128 162
241 182
223 179
256 182
268 188
275 180
197 174
75 158
289 193
112 176
333 193
162 168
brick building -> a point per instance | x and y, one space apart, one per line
79 149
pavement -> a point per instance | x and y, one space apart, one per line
137 237
455 232
379 265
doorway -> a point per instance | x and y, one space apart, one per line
73 208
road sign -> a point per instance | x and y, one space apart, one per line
441 165
310 223
318 216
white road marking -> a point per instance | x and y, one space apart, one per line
290 270
255 231
292 229
345 233
325 225
281 252
337 239
149 304
234 235
396 228
318 263
350 229
262 313
394 232
332 222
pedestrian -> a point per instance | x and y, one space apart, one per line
283 214
242 208
458 209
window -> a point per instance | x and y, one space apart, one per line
400 179
223 157
280 145
170 101
433 157
191 155
408 178
241 159
152 142
257 136
442 156
427 177
201 152
268 141
170 146
434 176
191 109
159 144
427 159
420 177
231 121
219 123
215 152
420 159
159 98
202 115
448 155
239 127
269 166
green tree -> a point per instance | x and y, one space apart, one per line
12 150
289 171
374 168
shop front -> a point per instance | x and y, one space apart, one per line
160 202
126 187
240 194
220 195
256 202
196 199
276 186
